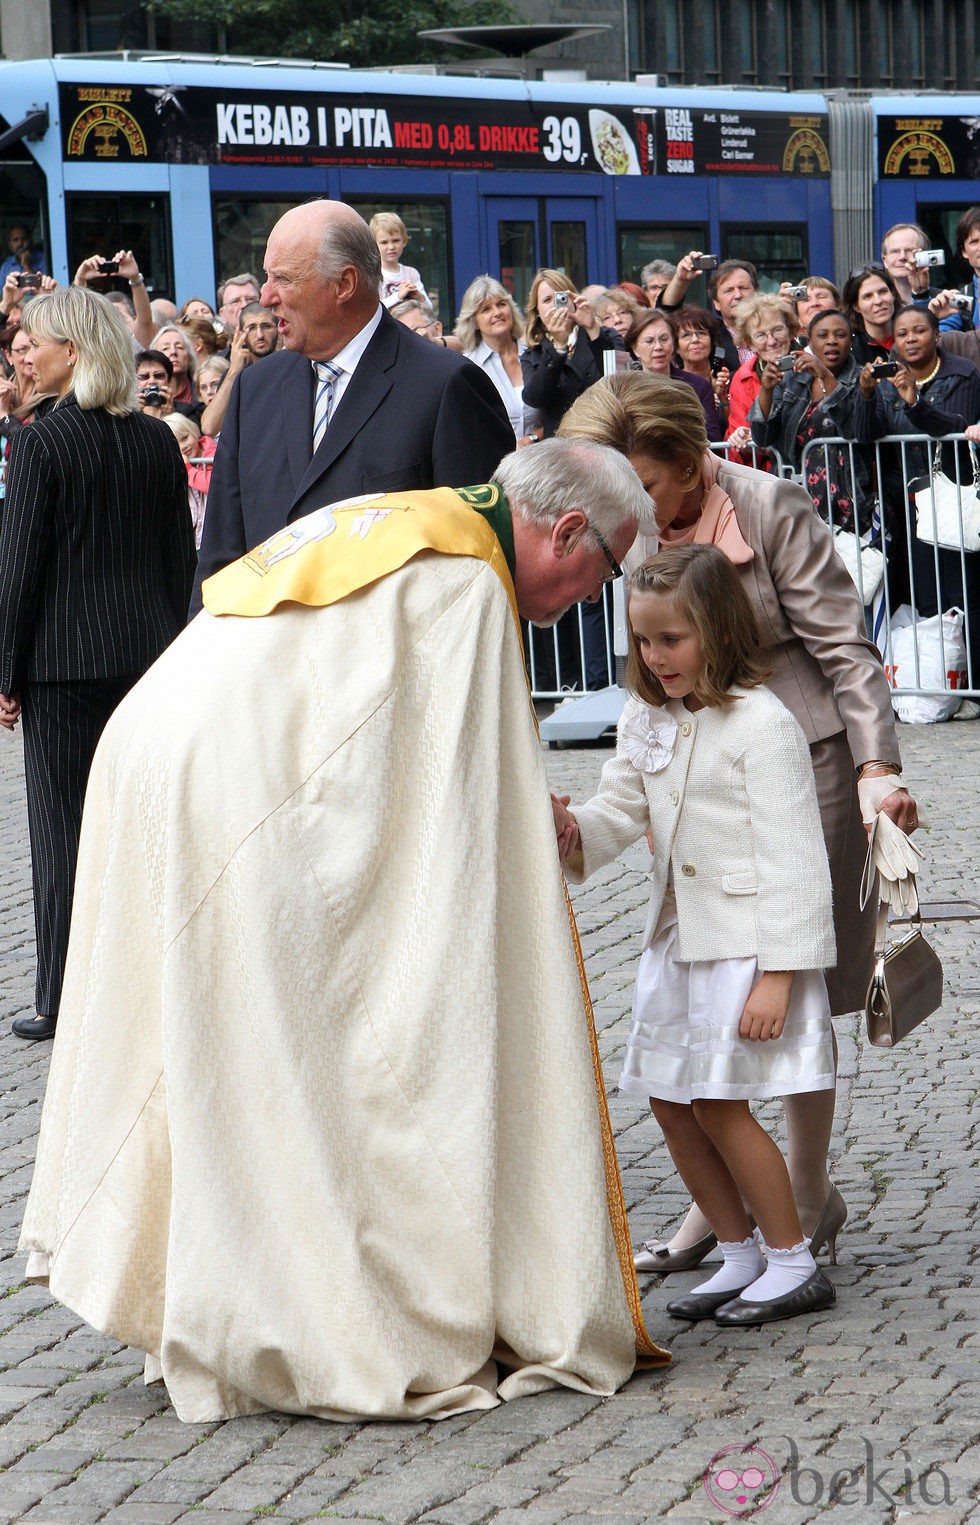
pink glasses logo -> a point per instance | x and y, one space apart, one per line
741 1480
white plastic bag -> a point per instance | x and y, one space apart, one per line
942 666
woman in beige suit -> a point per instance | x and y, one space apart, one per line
825 671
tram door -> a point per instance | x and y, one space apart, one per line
522 233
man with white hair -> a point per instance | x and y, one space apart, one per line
352 403
324 1132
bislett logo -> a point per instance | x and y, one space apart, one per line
741 1480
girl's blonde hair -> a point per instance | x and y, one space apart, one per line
388 222
179 423
104 375
534 329
706 591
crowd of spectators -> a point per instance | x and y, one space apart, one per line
777 370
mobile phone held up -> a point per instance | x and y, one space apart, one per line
704 262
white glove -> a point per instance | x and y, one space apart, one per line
894 856
873 791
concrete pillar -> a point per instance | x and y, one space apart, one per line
25 30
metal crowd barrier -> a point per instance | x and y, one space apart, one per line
919 580
562 660
762 457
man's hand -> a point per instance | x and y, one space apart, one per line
765 1010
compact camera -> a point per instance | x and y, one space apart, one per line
109 267
926 258
885 369
154 397
798 293
786 362
960 301
718 359
704 262
28 278
561 299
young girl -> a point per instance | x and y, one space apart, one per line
398 281
730 1002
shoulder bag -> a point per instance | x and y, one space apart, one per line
948 513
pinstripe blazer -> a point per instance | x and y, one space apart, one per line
96 547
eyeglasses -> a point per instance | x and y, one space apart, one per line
779 332
617 570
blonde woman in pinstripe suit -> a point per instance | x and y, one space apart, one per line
96 566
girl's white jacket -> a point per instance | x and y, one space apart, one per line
734 814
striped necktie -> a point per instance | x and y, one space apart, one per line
327 375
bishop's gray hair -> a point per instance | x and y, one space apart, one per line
543 482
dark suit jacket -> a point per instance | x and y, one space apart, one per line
96 547
412 415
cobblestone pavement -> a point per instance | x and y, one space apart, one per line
872 1408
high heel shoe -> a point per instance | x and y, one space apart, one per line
656 1259
833 1216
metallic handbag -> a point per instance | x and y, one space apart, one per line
906 986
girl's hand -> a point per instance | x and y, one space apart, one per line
566 826
765 1010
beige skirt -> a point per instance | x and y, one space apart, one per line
847 846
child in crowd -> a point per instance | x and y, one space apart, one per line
398 281
730 1001
194 444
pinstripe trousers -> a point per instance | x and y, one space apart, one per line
62 725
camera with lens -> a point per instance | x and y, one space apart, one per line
109 267
786 362
561 299
28 278
798 293
154 397
960 301
926 258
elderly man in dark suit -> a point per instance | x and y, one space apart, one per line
353 403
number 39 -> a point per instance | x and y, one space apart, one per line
564 139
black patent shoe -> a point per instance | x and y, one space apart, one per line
38 1028
698 1304
809 1297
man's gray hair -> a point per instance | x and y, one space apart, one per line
411 304
346 242
245 279
657 267
543 482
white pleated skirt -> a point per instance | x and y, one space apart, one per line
684 1042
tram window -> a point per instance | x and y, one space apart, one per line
101 224
778 255
638 246
568 251
22 205
517 242
428 246
241 227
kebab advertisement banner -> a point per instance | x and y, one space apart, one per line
929 147
191 125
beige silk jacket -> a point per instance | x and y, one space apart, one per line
825 670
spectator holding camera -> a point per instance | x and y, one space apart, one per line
767 325
94 272
565 345
932 393
958 311
808 396
808 297
154 383
23 258
728 284
906 255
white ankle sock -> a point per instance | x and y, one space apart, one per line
786 1270
743 1263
